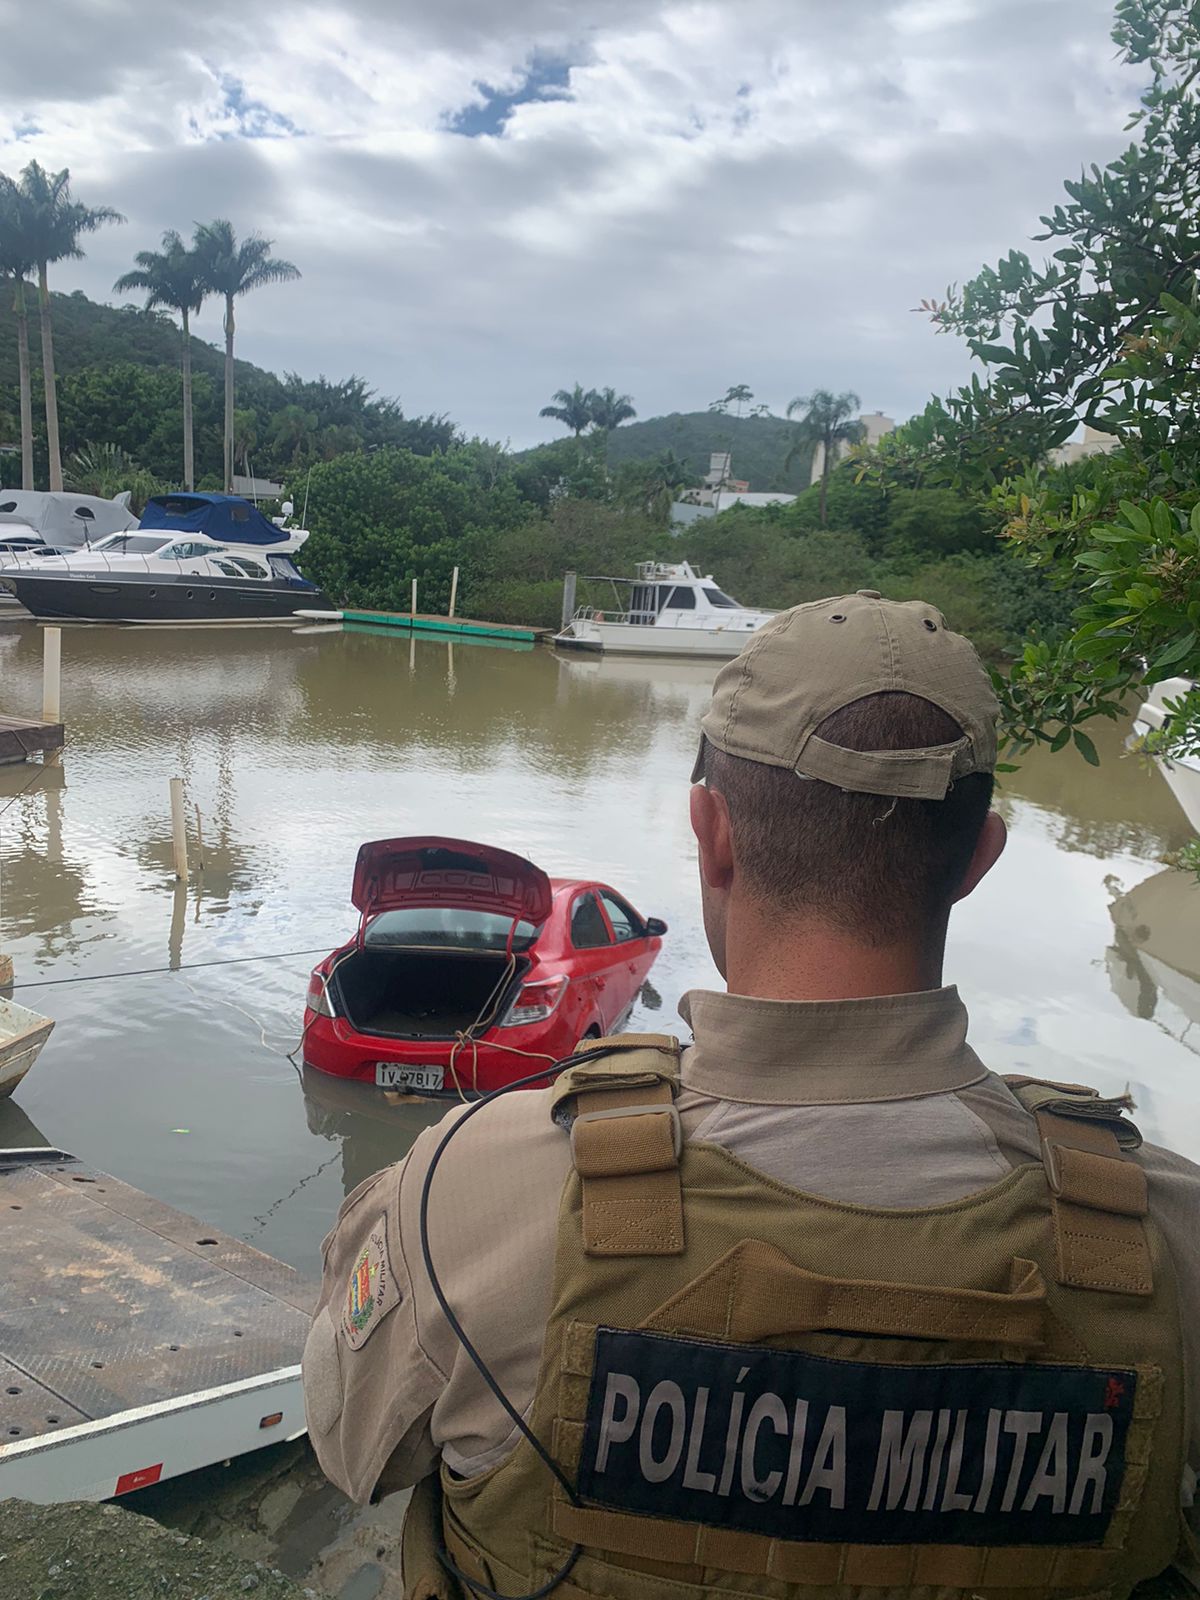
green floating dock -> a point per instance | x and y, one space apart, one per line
454 627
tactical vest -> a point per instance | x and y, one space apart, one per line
758 1392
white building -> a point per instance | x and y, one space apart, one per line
1093 443
874 425
718 491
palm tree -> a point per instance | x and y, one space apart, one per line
229 269
294 431
245 437
828 423
171 278
15 267
50 223
737 395
658 482
572 407
610 409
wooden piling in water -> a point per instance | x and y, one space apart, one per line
414 597
179 830
453 591
51 674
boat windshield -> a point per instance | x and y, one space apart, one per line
131 544
447 927
717 597
284 567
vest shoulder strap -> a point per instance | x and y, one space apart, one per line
626 1140
1098 1193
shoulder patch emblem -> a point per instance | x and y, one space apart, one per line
371 1291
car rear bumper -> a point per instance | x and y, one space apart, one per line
331 1046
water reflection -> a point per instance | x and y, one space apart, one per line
375 1126
296 746
1126 807
1154 961
18 1131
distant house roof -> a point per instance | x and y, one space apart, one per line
257 488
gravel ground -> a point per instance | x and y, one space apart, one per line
266 1525
101 1552
276 1507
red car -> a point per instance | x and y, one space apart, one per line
469 967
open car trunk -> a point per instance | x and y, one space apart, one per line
425 994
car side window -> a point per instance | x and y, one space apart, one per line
626 924
587 925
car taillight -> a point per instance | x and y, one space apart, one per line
317 998
535 1002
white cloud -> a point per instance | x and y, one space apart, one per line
721 191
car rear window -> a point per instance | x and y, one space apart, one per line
447 927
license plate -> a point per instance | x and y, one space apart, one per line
390 1075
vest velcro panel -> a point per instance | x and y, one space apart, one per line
1098 1194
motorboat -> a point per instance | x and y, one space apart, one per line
34 524
194 558
668 609
1182 773
22 1034
64 521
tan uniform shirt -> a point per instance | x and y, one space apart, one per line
877 1102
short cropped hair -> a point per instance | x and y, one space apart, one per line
877 869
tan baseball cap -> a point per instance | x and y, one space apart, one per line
811 661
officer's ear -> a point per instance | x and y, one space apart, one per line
714 835
989 847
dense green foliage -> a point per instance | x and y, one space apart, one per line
759 446
119 383
515 525
1107 329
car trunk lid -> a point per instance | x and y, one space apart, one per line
391 874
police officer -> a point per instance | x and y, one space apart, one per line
820 1305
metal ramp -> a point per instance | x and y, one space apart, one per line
135 1342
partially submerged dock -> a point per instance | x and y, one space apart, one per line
448 627
21 738
135 1342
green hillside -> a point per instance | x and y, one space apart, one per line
759 446
119 385
90 335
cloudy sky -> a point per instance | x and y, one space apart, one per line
491 200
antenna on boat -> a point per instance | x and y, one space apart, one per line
304 513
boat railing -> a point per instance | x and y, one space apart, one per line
595 614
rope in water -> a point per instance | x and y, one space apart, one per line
191 966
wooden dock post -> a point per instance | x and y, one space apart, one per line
453 591
51 674
414 598
179 830
568 607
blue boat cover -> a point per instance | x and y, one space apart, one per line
225 517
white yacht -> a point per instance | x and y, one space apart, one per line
667 610
195 558
1182 773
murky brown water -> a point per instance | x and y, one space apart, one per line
1079 958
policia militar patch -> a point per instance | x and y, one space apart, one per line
798 1446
